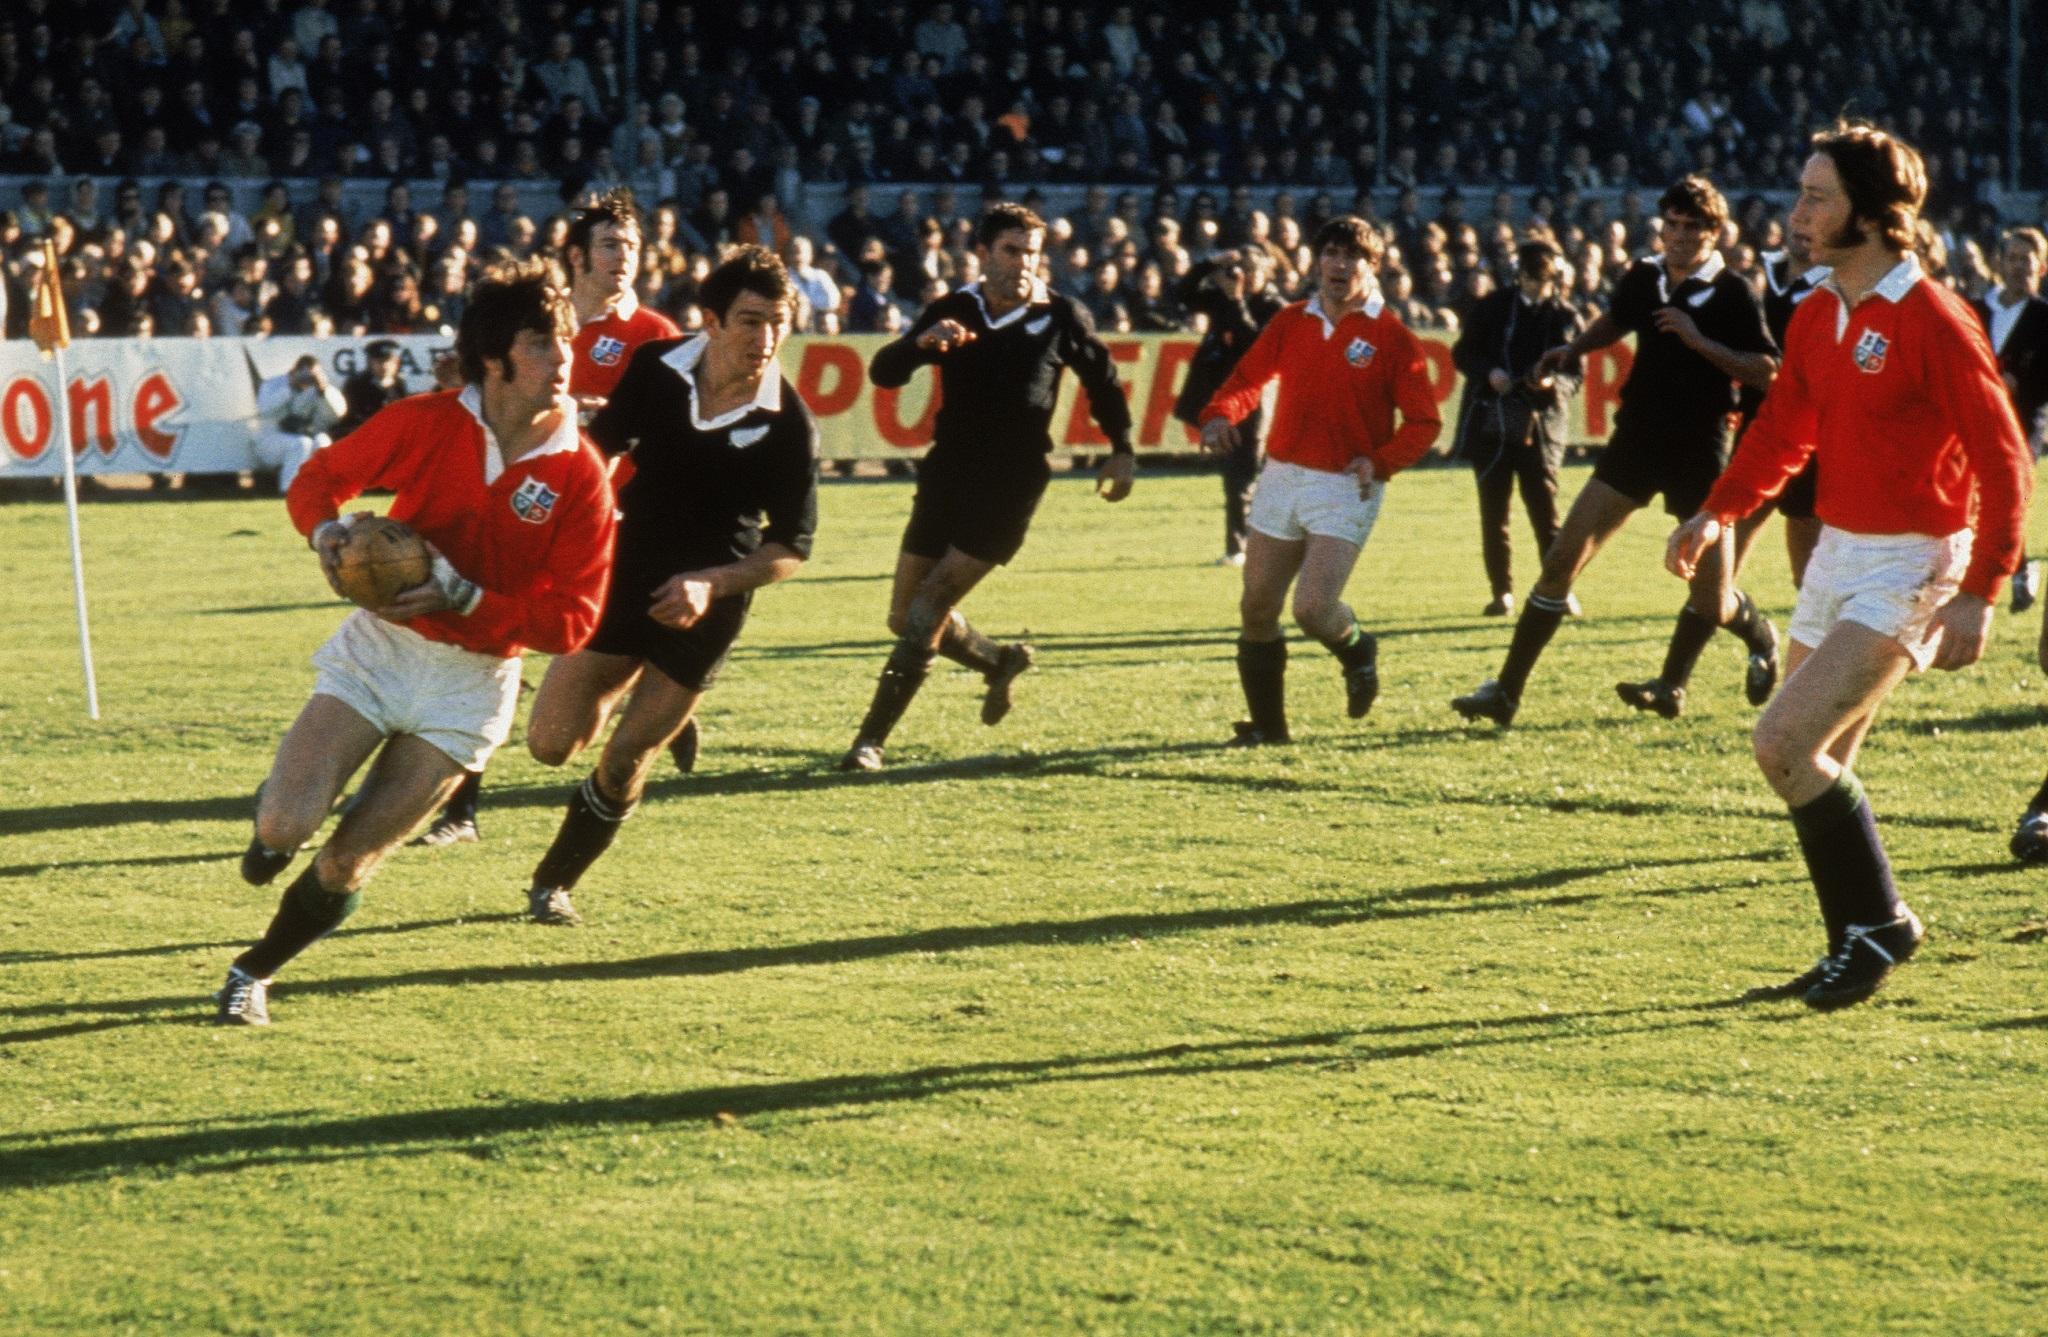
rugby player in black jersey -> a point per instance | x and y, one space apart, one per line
1789 279
723 501
999 346
1699 331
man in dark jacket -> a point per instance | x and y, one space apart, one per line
1230 288
1512 425
373 387
2016 319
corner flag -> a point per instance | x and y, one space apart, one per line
50 327
48 323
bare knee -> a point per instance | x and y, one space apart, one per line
1779 755
899 618
1258 612
550 749
1321 618
283 830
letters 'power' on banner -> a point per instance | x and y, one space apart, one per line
50 326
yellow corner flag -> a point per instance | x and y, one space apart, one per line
48 324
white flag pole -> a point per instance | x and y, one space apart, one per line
92 691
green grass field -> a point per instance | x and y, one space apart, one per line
1079 1025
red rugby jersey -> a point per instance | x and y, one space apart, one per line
535 533
1900 398
1339 387
603 347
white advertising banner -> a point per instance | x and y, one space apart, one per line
189 405
163 405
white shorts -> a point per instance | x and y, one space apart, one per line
1892 583
456 699
1293 502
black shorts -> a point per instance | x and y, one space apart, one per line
1639 465
1796 501
689 656
981 507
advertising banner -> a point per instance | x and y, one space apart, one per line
189 405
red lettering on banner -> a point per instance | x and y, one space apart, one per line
889 418
1081 430
94 398
25 440
1174 356
1443 373
155 400
843 364
1605 372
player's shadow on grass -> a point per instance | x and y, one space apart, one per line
135 861
251 609
121 812
63 1156
1478 896
31 958
2003 719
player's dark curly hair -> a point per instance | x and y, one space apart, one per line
1883 177
1006 217
509 299
1695 197
754 269
615 206
1350 231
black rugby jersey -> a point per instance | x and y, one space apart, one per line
1673 391
705 493
999 391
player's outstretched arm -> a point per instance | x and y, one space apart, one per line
895 362
1565 357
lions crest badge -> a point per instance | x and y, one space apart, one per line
607 351
534 501
1869 352
1359 353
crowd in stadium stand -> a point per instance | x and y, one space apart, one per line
1200 109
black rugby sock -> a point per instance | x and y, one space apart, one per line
587 830
909 664
462 803
306 913
1748 623
1688 638
1533 630
1851 875
965 646
1262 670
1356 648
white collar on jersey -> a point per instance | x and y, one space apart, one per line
628 303
1893 288
1375 302
1812 278
1706 273
566 436
1039 297
684 359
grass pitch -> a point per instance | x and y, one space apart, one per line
1078 1025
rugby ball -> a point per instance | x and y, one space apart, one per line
381 559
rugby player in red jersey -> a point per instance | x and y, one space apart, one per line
1346 365
498 479
1889 382
603 255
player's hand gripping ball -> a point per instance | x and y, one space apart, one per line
380 559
